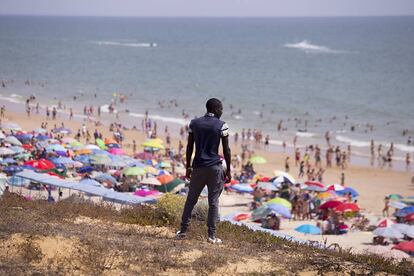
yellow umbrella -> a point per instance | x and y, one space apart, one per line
83 151
257 159
281 201
151 170
153 144
324 195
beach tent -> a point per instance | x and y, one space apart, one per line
309 229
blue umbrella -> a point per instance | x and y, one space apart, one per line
106 177
42 137
309 229
86 169
111 146
241 188
279 209
17 149
24 137
135 163
99 151
63 160
8 161
347 190
83 159
90 182
55 147
404 211
12 169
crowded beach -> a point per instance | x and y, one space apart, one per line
309 194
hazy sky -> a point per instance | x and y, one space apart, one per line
208 7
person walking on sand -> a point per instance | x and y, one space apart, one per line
206 132
385 211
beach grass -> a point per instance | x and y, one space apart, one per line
89 238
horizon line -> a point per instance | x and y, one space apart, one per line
210 16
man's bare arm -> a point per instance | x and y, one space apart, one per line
227 156
189 153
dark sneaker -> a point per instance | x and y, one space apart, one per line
214 240
180 235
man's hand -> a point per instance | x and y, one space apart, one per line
188 172
228 177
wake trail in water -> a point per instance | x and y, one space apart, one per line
308 47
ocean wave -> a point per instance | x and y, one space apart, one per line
352 142
311 48
305 134
173 120
10 99
405 148
105 109
125 44
16 96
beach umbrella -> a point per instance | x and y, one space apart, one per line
348 190
267 186
324 195
165 178
105 177
280 209
150 181
395 197
11 126
172 186
260 213
397 204
6 151
133 171
279 173
151 170
86 169
55 147
100 144
27 146
13 140
315 183
8 161
408 200
41 164
162 172
401 227
144 155
282 179
385 222
388 232
68 140
135 163
164 164
241 188
64 161
41 137
309 229
40 130
409 217
282 201
316 189
404 211
347 207
257 160
76 144
153 144
335 187
146 192
82 158
2 136
92 147
116 151
409 231
83 151
330 204
113 146
100 159
17 149
12 169
406 246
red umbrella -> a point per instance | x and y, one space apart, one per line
315 183
347 207
41 164
264 179
330 204
27 146
165 178
409 217
407 246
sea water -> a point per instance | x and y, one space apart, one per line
315 74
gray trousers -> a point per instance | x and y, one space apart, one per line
213 177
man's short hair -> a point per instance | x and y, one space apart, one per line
212 104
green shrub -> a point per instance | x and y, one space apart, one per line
169 209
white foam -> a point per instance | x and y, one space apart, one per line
238 117
310 48
305 134
124 44
405 148
105 109
352 142
16 96
10 99
173 120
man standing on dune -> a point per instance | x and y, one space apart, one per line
206 133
